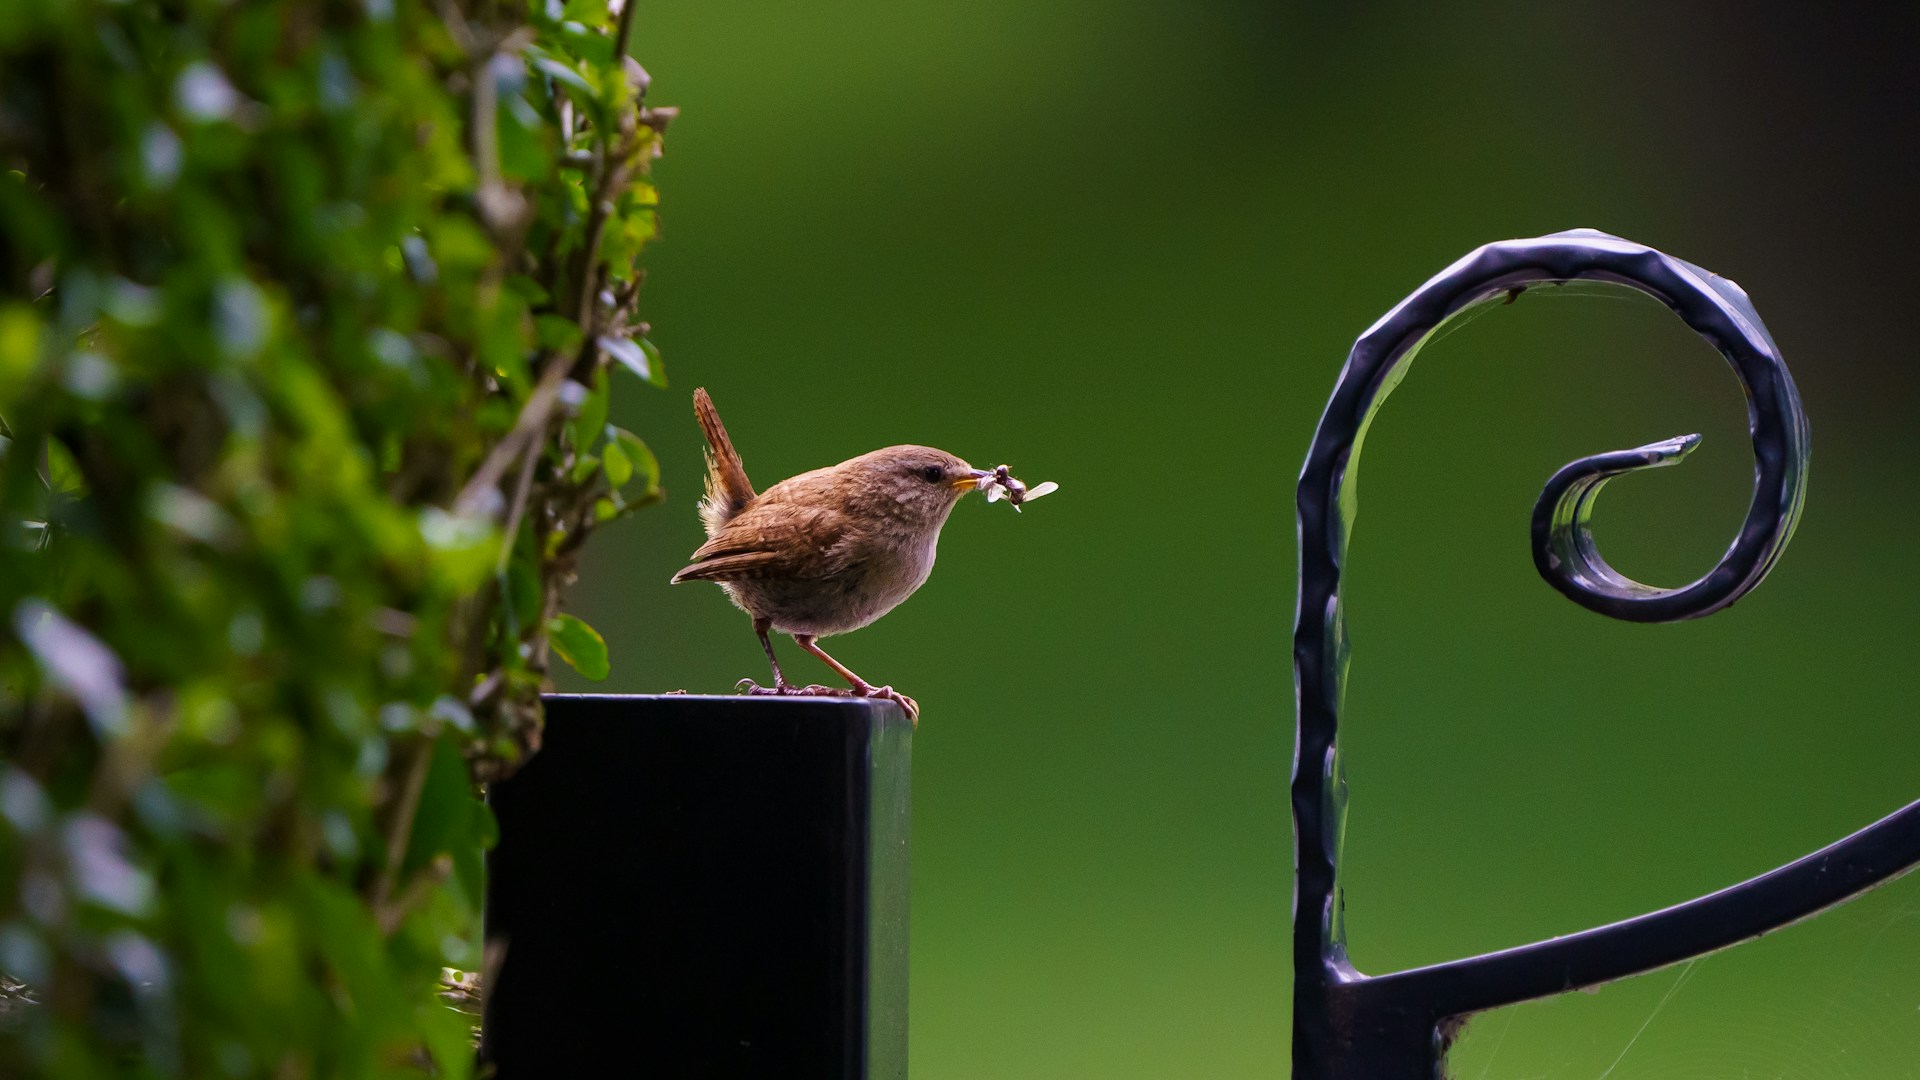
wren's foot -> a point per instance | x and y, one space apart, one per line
866 690
888 693
787 689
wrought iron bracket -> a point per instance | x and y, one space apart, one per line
1350 1026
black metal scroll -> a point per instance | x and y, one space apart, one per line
1349 1026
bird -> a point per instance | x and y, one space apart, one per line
825 552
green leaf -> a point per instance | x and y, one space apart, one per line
656 371
525 154
567 77
19 344
463 548
585 426
619 469
63 473
530 290
444 819
594 47
580 645
637 454
522 591
556 333
637 355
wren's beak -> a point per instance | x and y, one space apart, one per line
971 480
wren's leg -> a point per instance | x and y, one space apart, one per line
861 687
781 686
780 683
760 627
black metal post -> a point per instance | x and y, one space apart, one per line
703 886
1350 1026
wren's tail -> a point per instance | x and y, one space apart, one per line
728 489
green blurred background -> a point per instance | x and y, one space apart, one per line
1125 246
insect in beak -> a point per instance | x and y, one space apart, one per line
1001 484
971 480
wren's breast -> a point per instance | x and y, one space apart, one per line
872 584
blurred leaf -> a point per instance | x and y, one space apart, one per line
19 345
464 547
103 871
556 333
523 594
567 77
76 662
633 354
619 469
580 645
594 48
638 455
656 371
584 428
63 473
534 293
445 820
586 11
524 150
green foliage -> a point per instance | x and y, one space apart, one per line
310 314
580 645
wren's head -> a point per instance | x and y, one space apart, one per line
914 486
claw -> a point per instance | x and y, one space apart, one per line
779 689
888 693
787 689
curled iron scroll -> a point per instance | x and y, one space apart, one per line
1349 1026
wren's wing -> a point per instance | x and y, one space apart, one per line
771 539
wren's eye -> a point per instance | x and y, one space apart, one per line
933 474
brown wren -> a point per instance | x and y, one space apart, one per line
826 551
